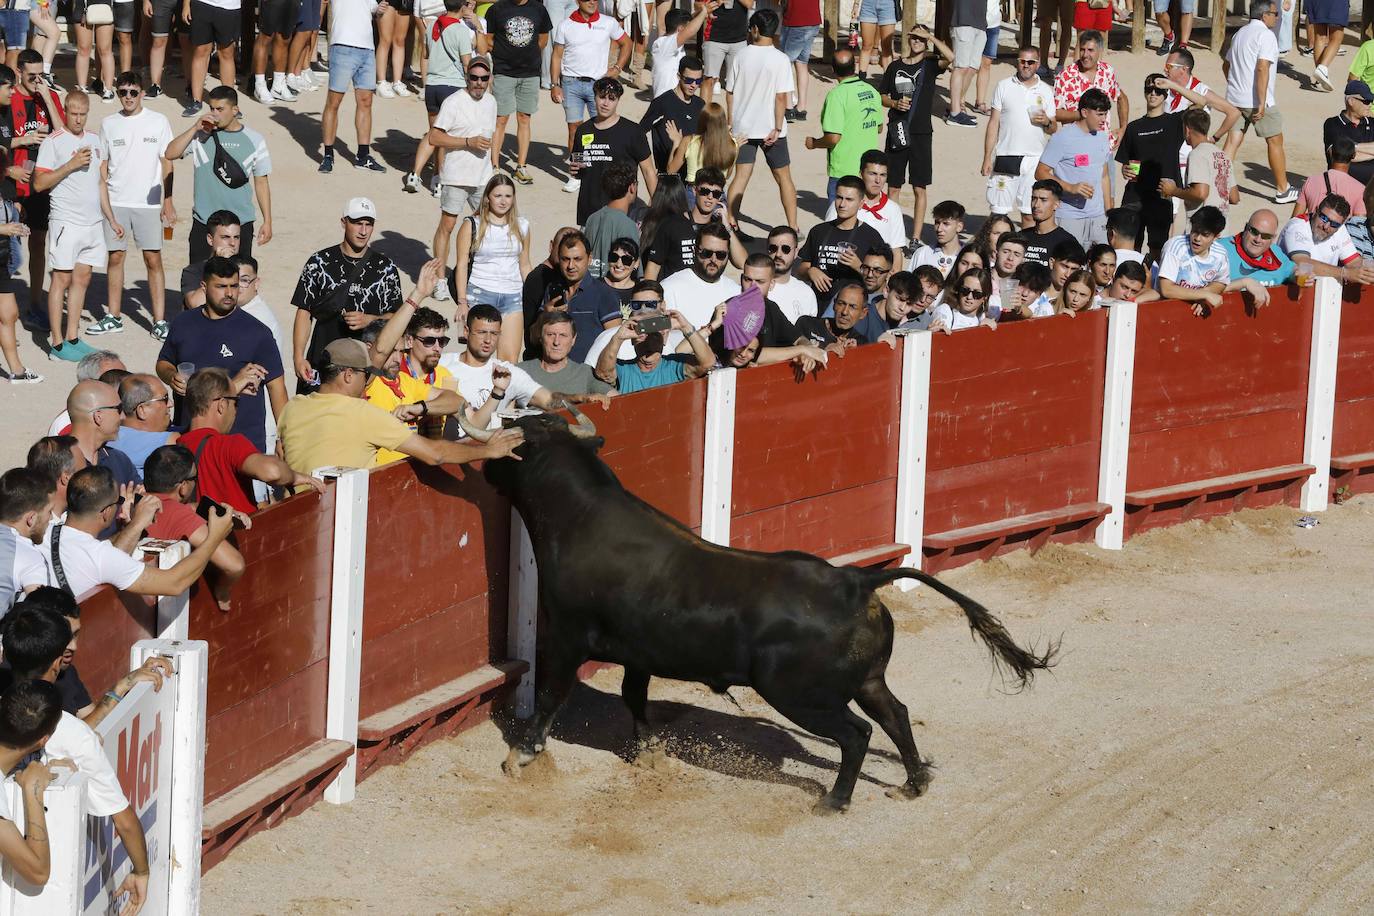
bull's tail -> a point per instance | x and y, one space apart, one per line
988 628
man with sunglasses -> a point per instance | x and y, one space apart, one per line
135 199
1148 154
673 245
1252 253
1020 125
696 292
34 113
94 408
608 138
463 130
1319 240
793 296
146 406
673 114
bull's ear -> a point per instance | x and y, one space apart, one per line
594 443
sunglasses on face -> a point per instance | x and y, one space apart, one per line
711 192
1156 90
623 257
637 305
233 398
128 93
1334 224
972 292
691 80
774 249
474 78
1266 236
717 254
431 341
1028 62
873 268
165 399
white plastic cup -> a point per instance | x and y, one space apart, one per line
186 370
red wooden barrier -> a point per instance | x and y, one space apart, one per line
266 756
1352 438
1015 437
434 612
111 622
654 442
816 461
1217 409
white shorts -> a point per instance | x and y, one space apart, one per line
70 245
968 45
1013 192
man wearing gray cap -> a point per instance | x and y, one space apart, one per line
342 289
335 427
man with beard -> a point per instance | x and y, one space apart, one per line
670 245
651 367
696 292
843 331
793 296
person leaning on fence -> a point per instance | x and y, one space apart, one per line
651 367
1319 241
553 369
25 512
79 562
34 639
29 714
1193 267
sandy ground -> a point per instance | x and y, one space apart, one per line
1201 747
306 205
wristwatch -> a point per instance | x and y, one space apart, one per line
424 409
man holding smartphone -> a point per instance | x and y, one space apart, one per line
651 367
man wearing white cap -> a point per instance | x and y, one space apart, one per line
342 289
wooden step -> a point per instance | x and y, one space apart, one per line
1010 527
1230 484
271 784
880 555
382 725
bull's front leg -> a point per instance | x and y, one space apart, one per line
559 675
634 689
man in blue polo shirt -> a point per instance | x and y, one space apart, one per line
590 302
1253 254
220 334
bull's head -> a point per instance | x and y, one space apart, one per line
544 433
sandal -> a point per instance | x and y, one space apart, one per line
982 109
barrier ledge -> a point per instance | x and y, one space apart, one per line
275 794
393 734
1183 501
1033 531
884 555
1352 474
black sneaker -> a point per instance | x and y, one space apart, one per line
191 110
326 165
154 91
370 163
1166 46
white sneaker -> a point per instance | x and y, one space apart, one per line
301 83
572 185
434 186
384 90
441 290
1323 78
261 93
282 92
400 89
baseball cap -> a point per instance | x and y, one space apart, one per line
743 317
360 208
347 353
1361 89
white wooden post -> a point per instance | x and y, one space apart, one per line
173 611
347 587
522 608
718 467
913 432
1321 393
189 660
1116 423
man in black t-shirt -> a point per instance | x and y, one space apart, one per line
673 246
1353 122
725 35
608 138
1045 234
834 250
517 32
679 107
1148 153
908 92
844 330
342 289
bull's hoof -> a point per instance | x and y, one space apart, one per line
914 787
515 761
651 757
829 804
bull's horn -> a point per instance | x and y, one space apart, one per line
585 428
478 435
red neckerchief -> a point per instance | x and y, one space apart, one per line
578 17
394 386
882 202
405 367
1266 261
442 23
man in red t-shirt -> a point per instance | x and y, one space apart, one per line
227 463
170 475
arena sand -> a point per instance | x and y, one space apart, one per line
307 205
1203 746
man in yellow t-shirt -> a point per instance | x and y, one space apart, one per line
391 389
426 337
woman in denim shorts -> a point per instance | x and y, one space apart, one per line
877 19
493 258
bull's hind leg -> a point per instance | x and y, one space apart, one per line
847 730
558 677
634 689
882 706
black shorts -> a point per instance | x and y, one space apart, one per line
911 165
125 17
165 16
278 17
34 211
435 95
776 156
1156 217
213 25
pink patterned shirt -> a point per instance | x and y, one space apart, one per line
1070 85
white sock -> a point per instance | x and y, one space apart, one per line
278 78
260 81
47 68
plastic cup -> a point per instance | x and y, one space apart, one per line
1303 274
186 370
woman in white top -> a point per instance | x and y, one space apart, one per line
972 291
967 259
493 259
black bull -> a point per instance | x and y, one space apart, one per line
623 583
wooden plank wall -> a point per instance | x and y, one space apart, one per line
654 443
111 623
1353 432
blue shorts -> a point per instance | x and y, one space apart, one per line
579 102
883 12
797 42
1328 12
309 19
505 303
15 26
990 49
435 95
352 68
1186 7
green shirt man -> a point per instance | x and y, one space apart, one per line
854 111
